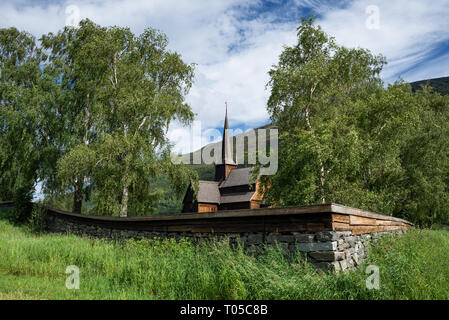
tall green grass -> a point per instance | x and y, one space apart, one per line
32 266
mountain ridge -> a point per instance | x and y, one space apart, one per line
440 85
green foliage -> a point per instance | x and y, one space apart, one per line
28 127
132 87
412 266
36 222
19 155
170 202
22 205
86 111
346 138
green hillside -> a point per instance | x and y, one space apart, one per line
440 85
250 145
169 202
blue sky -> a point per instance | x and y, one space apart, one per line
234 42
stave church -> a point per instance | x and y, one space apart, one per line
231 188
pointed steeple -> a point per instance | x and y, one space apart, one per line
226 155
223 169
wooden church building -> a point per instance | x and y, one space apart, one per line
230 190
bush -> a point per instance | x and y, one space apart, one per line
22 205
36 222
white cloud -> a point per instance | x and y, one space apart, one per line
203 32
407 34
235 53
435 68
240 80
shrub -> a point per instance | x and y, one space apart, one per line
36 221
22 204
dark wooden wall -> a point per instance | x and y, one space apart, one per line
316 218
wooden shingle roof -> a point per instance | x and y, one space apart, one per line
208 192
237 177
237 197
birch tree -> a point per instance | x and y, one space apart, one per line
29 128
74 59
133 88
348 138
314 88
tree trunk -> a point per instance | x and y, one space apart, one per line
79 183
322 171
78 197
124 209
323 182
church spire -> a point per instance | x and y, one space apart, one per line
226 155
223 169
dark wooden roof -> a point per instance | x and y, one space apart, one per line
237 177
208 192
237 197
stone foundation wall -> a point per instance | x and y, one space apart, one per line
327 250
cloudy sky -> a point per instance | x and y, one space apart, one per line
234 42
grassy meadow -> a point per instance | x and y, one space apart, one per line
32 266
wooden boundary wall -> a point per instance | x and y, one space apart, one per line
7 204
314 218
334 237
